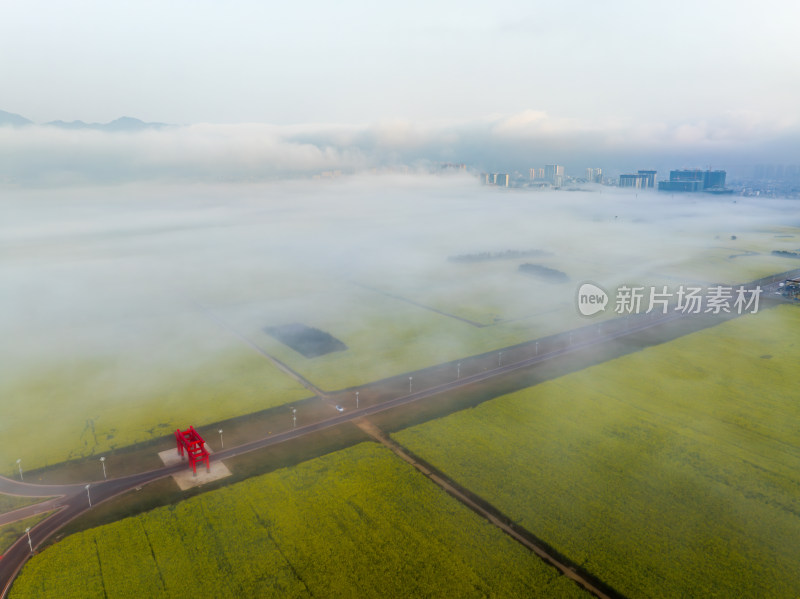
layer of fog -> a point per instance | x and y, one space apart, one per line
110 254
136 279
49 156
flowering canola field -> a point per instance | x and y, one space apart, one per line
355 523
671 472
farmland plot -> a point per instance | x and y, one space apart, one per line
356 523
671 472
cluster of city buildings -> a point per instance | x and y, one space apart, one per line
553 176
762 180
680 181
550 175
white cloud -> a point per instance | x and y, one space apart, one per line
208 152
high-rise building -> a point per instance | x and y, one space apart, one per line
714 180
551 171
637 181
650 177
641 180
695 180
687 175
501 179
555 174
594 175
679 185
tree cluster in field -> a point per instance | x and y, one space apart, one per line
506 255
543 272
786 253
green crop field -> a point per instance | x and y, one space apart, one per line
671 472
356 523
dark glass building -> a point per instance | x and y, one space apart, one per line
714 179
694 180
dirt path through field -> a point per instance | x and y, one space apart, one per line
489 512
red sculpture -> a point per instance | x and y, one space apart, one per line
191 441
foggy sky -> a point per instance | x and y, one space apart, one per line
691 69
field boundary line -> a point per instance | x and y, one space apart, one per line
493 515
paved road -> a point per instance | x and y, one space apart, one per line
73 500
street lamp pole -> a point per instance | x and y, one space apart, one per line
103 462
30 543
500 359
294 417
19 464
411 378
356 400
89 495
221 442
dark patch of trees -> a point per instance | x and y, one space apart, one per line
308 341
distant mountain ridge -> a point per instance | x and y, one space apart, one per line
13 120
124 123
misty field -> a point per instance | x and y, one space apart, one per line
735 261
77 407
671 472
356 523
135 309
